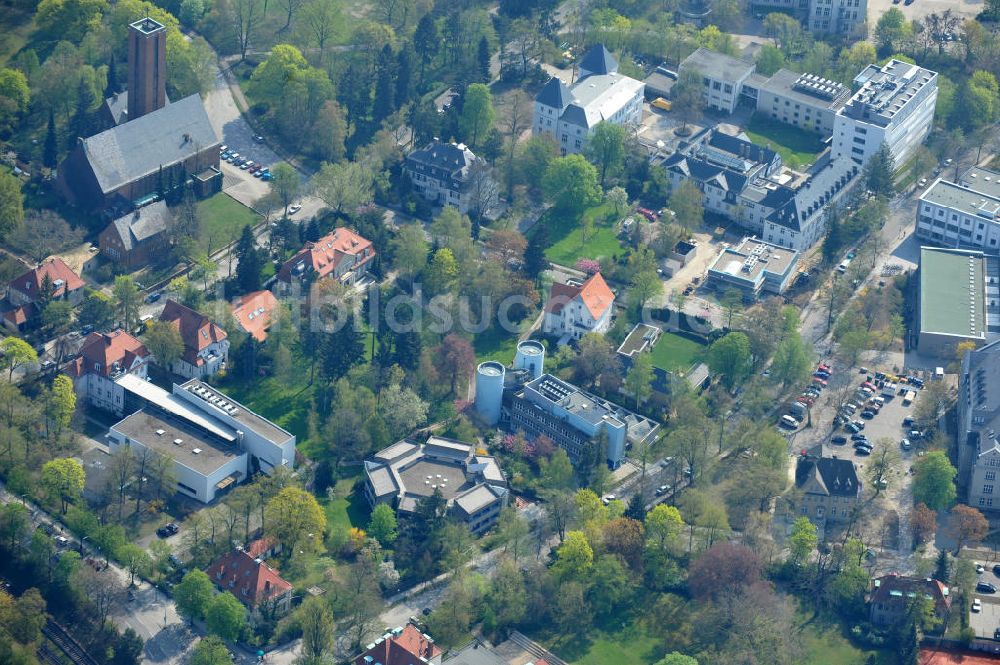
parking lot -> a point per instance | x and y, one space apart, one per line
987 621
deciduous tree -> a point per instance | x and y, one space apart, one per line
63 480
967 526
934 480
163 340
570 184
478 114
225 616
295 519
193 594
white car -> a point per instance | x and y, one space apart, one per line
980 568
294 209
905 444
977 605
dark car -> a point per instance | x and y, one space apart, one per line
860 424
839 440
426 611
174 561
852 428
985 587
908 421
167 530
996 570
867 414
821 375
863 451
858 437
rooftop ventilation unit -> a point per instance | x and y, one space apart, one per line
160 432
197 451
178 442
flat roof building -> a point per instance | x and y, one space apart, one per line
722 75
213 441
962 214
575 419
473 485
952 305
893 104
807 101
753 267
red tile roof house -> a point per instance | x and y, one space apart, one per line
25 291
104 358
252 312
342 254
891 595
258 586
206 348
405 645
573 310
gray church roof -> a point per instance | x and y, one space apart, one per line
139 148
555 94
598 60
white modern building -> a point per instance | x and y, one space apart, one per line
722 76
964 213
573 310
214 442
600 94
753 267
893 104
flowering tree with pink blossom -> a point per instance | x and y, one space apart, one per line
589 266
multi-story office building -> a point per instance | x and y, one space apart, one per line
964 213
954 292
753 267
977 446
722 76
806 101
843 17
600 94
576 420
894 104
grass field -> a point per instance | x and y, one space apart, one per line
675 353
797 147
222 220
495 344
566 236
15 29
824 644
348 511
630 644
281 402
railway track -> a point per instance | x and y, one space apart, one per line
69 646
46 655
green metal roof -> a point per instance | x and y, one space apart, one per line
952 292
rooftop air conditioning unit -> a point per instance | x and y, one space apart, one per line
196 451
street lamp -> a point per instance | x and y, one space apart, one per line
81 544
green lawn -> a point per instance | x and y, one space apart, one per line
825 644
351 510
222 220
283 403
675 353
566 235
797 147
495 344
630 645
15 29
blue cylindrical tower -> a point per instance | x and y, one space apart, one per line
489 391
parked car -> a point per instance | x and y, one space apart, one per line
977 605
819 382
266 176
608 499
662 489
153 297
789 422
247 164
821 375
863 451
839 440
868 414
233 156
858 437
985 587
852 428
223 148
980 568
908 421
294 209
174 561
860 423
167 530
61 541
996 570
905 444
